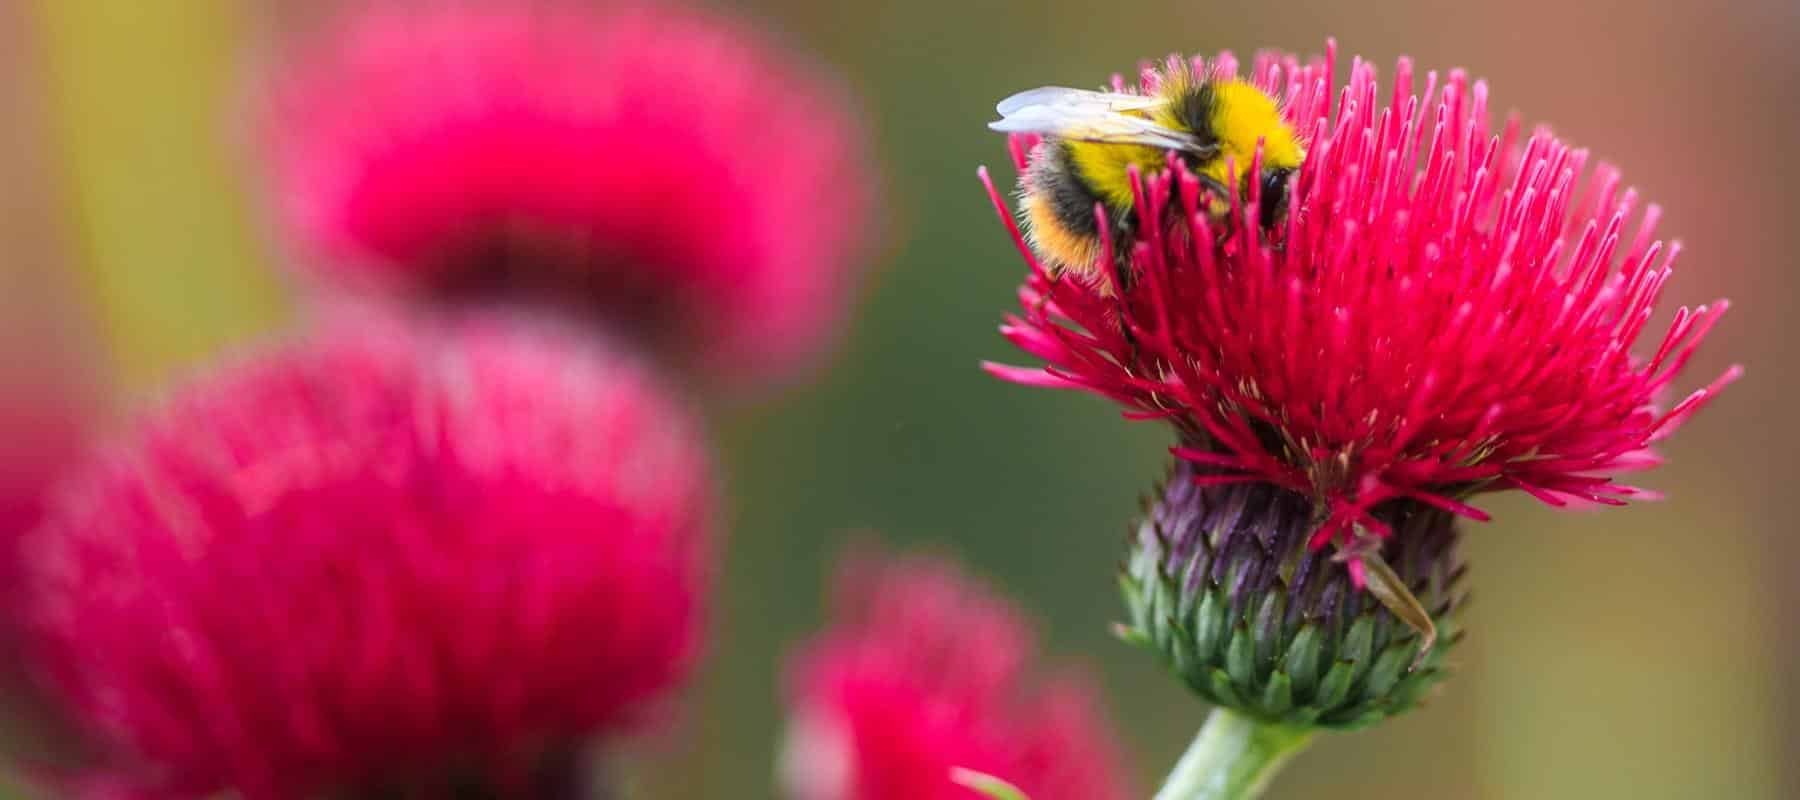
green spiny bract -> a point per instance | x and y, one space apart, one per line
1219 583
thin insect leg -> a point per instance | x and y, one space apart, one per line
1388 587
1122 284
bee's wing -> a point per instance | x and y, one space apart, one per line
1065 97
1097 125
1090 116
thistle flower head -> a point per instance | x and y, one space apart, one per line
924 671
1444 310
671 171
378 562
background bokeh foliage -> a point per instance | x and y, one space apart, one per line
1640 653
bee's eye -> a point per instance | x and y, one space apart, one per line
1274 195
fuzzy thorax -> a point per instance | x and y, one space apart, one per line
1234 115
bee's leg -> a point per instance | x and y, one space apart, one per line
1123 282
1123 278
1387 587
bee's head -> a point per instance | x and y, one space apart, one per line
1271 191
1274 191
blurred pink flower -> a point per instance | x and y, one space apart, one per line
922 671
379 559
673 171
1445 311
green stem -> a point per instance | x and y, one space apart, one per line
1233 758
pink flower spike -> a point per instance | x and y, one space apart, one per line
923 671
378 560
674 173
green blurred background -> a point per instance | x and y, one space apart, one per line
1640 653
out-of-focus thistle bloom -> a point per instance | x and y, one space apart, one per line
1443 311
924 671
380 561
674 172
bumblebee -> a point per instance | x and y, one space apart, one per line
1092 139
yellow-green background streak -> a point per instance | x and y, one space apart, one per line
144 98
